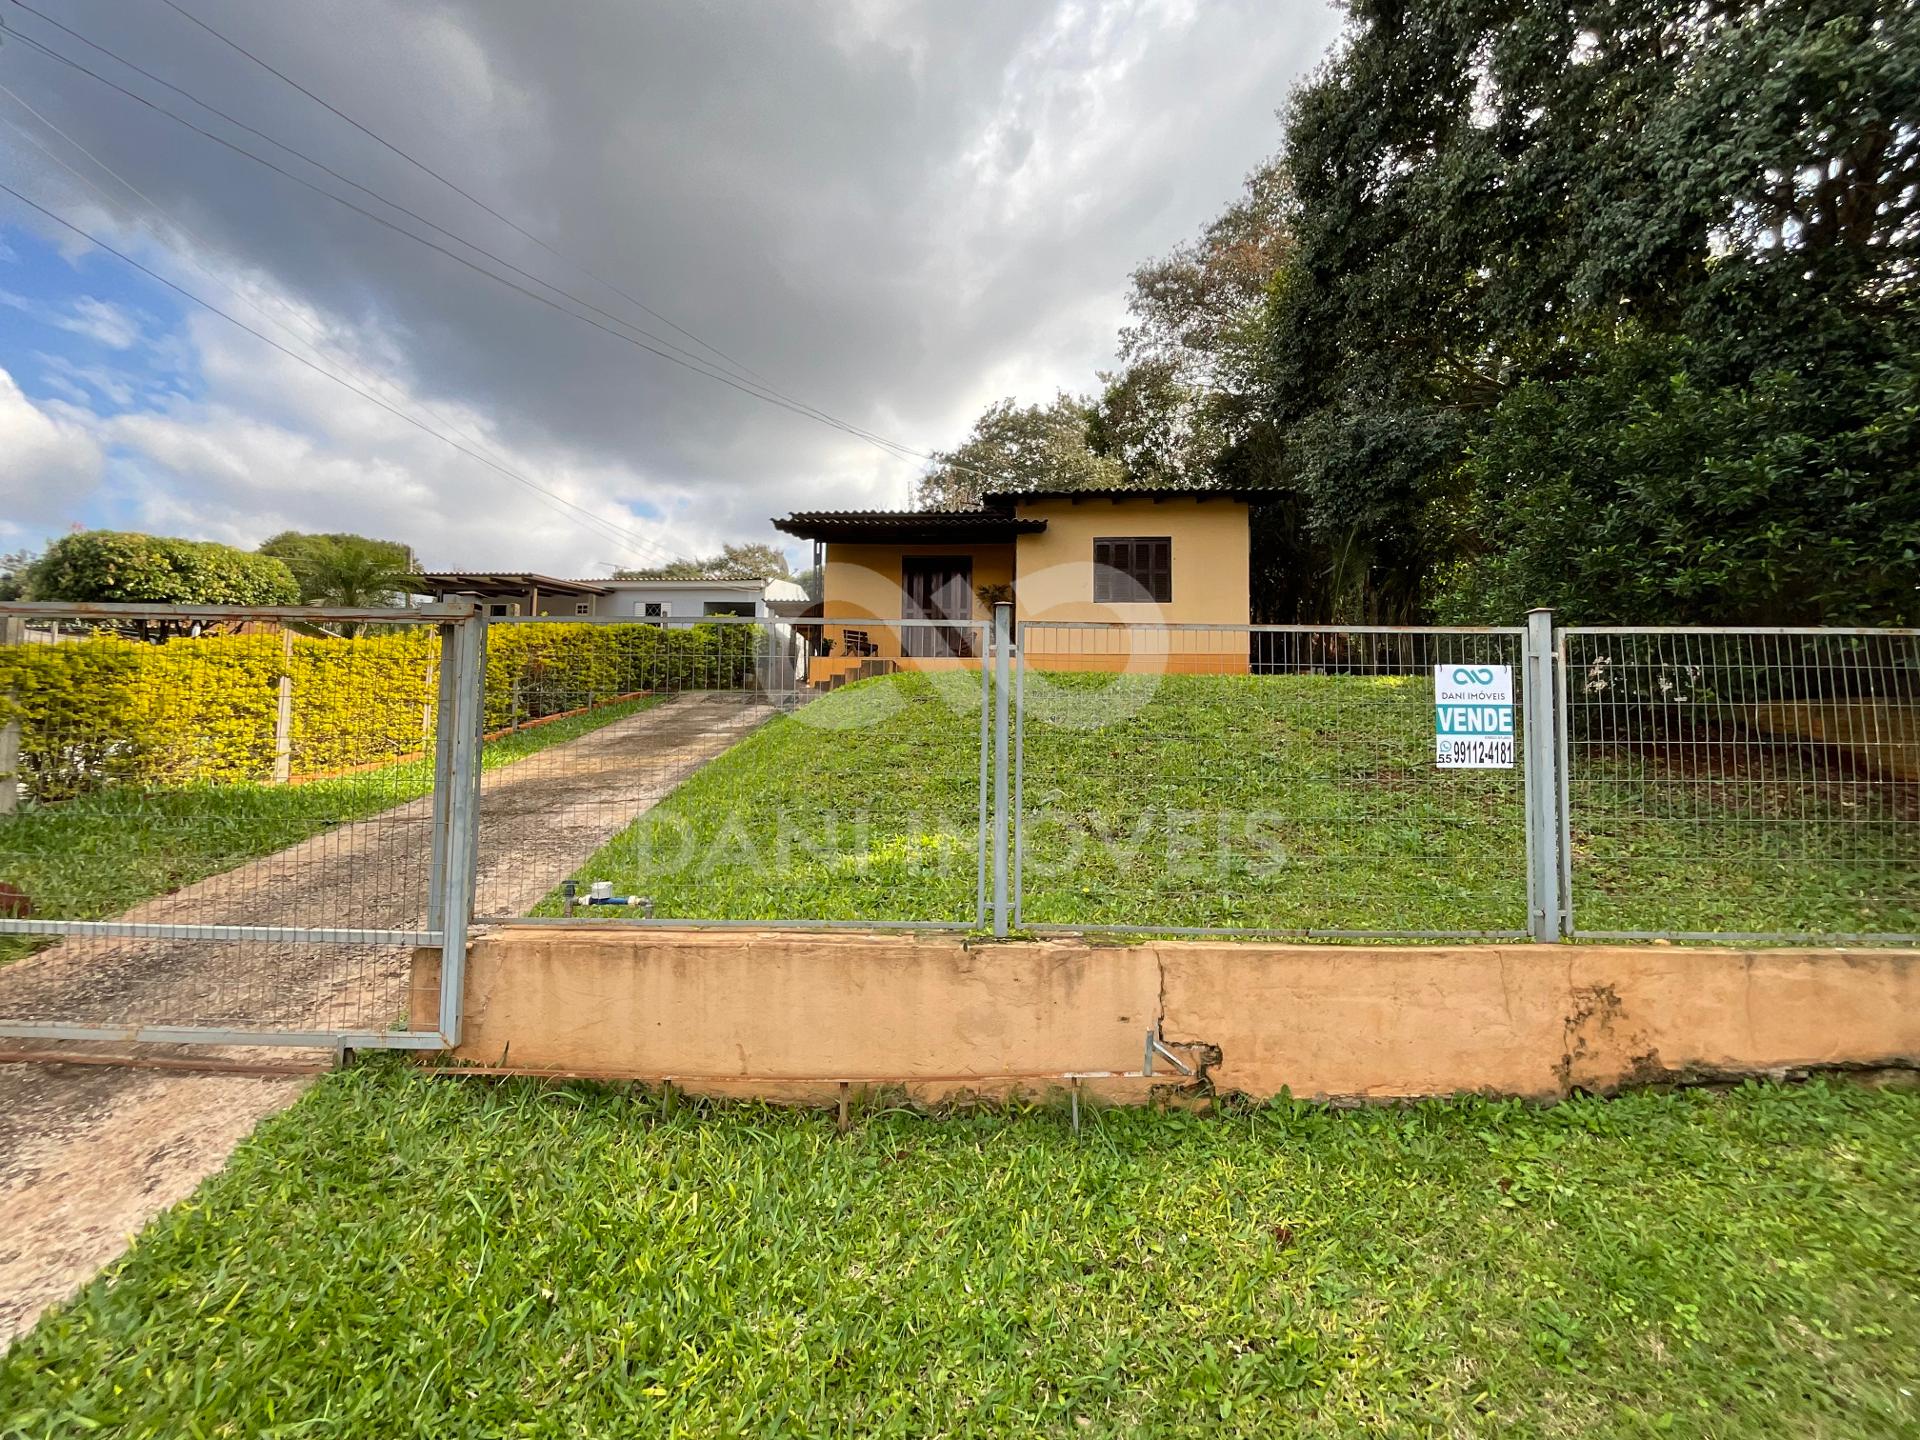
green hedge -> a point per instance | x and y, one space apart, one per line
535 670
107 711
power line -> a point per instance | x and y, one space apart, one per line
473 199
765 391
344 179
154 275
599 525
580 265
691 363
517 228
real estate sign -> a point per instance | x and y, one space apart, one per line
1473 717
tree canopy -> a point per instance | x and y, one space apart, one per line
1039 447
107 566
345 570
13 573
755 561
1188 387
1608 306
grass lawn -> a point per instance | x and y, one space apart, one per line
403 1256
93 857
1742 837
1284 802
864 805
1287 802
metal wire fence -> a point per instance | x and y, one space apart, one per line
730 774
239 825
1232 779
1741 784
223 822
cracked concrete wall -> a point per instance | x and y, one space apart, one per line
1533 1020
777 1014
792 1015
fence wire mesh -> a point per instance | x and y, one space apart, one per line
1260 779
225 823
725 771
242 826
1742 784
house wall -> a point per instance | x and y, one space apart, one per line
1052 575
1210 560
863 581
791 1016
523 599
1211 585
685 600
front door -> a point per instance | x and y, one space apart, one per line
937 587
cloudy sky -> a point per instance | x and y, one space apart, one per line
890 212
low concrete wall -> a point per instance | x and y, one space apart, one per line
794 1016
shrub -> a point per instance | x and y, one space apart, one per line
111 565
108 711
564 667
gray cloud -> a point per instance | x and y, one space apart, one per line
896 212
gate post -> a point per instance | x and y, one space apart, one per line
1546 908
13 631
283 713
463 669
1002 684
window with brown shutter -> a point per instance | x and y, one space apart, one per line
1133 568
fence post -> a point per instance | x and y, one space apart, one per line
457 802
1545 907
444 707
283 715
1002 684
13 631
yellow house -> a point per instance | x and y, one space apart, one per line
1098 568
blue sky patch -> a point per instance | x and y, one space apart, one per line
90 331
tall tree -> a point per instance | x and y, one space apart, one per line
111 566
14 568
1014 448
748 561
1191 358
1587 286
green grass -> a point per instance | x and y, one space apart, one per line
863 805
1285 803
1282 803
1742 838
403 1256
93 857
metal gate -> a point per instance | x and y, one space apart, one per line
239 825
232 825
736 771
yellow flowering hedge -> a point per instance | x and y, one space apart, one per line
535 670
107 711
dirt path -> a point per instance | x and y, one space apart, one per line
89 1154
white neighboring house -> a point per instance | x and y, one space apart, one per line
674 599
502 593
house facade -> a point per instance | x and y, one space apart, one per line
504 593
1078 558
